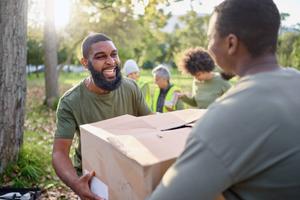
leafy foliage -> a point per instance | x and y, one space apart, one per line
288 45
139 36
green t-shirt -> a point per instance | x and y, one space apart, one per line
80 106
246 145
206 92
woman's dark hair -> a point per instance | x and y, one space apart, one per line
196 60
254 22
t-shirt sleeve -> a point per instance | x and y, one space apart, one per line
179 105
65 121
197 174
189 100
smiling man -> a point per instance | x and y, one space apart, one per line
103 95
246 145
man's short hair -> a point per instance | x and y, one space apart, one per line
196 60
161 71
90 40
254 22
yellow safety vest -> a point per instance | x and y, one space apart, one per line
145 88
169 97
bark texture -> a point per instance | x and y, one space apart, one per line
13 23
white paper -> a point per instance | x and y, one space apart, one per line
99 188
173 101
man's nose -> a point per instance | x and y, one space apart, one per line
110 60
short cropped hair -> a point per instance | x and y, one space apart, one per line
255 22
196 60
90 40
161 71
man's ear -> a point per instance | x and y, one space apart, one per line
84 62
233 43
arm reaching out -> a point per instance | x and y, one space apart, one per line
67 173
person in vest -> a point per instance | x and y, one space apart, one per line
132 71
207 85
165 95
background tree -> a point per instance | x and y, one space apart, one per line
296 53
12 78
50 47
141 35
286 45
35 55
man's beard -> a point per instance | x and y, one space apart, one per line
100 80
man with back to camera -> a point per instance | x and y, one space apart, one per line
246 145
96 98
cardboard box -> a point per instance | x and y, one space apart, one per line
131 154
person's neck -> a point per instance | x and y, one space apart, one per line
166 86
91 86
209 76
257 65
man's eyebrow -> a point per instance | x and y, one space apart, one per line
99 53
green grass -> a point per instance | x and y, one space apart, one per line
31 168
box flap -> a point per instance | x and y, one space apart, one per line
171 120
162 121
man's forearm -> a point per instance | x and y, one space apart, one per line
189 100
66 172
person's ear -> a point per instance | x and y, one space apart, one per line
84 62
232 44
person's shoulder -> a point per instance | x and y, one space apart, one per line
73 93
128 83
264 79
218 79
291 71
143 83
175 88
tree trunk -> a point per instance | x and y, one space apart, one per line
13 23
50 41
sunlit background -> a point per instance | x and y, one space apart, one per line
63 9
149 31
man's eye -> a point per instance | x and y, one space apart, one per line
100 57
114 55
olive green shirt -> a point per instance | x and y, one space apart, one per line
206 92
80 106
247 144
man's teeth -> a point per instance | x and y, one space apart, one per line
109 70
